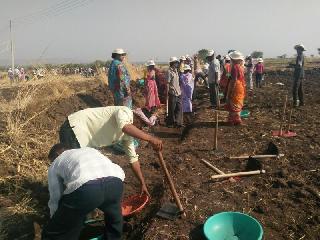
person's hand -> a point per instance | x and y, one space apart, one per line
156 143
144 190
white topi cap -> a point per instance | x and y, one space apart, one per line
173 59
236 55
210 53
150 63
119 51
300 46
260 60
227 58
183 58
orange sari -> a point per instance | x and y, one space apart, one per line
236 94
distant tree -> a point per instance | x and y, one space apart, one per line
257 54
202 54
283 56
319 51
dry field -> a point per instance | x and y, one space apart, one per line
286 200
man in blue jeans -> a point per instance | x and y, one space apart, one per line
79 181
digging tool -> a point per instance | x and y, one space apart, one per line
289 123
257 156
216 169
283 115
237 174
283 118
216 132
169 210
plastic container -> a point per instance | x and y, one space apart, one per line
232 226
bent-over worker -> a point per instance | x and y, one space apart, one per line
105 126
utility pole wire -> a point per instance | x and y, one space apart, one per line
12 47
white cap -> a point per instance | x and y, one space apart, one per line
227 57
187 56
150 63
210 53
260 60
173 59
236 55
300 46
119 51
187 67
183 58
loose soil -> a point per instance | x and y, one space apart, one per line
286 200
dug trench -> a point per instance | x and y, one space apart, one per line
286 200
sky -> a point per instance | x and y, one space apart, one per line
58 30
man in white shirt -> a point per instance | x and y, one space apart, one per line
213 78
79 181
105 126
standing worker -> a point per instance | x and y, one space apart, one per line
106 126
213 78
151 90
187 86
236 89
299 77
259 70
11 75
225 77
250 68
79 181
119 79
181 65
174 95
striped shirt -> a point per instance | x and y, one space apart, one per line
75 167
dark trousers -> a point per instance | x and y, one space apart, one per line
258 80
298 90
67 135
175 113
214 94
68 220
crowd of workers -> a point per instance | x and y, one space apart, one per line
81 179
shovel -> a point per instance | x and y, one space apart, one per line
170 211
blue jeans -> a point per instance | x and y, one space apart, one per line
68 220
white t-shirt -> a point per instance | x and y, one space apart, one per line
214 68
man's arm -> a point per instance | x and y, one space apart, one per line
55 186
135 132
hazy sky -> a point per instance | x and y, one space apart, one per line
157 28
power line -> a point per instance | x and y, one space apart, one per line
51 12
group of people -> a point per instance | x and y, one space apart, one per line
16 74
81 179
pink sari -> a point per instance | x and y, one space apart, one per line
151 91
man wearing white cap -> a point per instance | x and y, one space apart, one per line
213 78
174 107
299 76
119 79
250 68
11 75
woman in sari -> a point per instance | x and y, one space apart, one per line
225 77
236 89
119 80
151 90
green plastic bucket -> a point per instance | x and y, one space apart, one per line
245 114
232 226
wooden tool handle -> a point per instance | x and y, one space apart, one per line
216 132
238 174
212 167
171 185
283 117
258 156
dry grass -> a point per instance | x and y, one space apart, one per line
25 141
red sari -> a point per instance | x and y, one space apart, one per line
151 91
236 94
225 78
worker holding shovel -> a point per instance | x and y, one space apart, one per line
213 78
106 126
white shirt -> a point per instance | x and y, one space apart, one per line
75 167
101 127
213 69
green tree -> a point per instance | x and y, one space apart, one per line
202 54
257 54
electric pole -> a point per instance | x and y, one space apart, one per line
12 47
